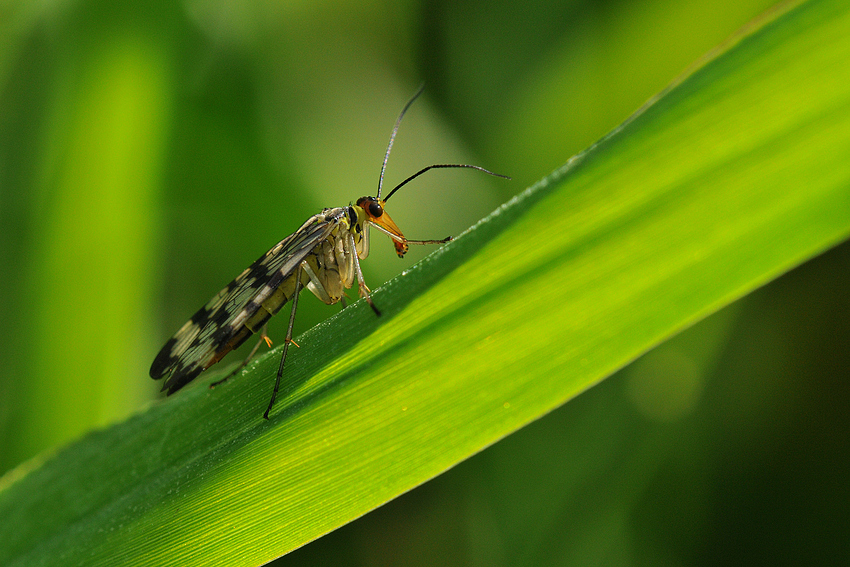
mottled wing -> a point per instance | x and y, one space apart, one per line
191 350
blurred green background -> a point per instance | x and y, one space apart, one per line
149 152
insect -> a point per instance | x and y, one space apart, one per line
322 256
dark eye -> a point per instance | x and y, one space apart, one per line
375 209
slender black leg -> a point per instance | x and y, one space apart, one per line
287 340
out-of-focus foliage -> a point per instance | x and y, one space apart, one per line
150 151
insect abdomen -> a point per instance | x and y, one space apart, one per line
261 316
274 302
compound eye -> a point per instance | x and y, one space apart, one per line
375 209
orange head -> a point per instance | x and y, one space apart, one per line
375 214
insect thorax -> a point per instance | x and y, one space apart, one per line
357 223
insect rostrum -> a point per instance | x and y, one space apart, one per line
323 256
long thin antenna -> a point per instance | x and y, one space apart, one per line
439 166
392 137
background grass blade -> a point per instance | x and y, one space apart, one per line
734 176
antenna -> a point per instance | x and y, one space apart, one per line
392 136
442 166
423 170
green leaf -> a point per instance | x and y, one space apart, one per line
731 177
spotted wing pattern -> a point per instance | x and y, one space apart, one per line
194 347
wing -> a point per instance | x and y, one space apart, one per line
191 350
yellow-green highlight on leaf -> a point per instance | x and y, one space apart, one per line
734 176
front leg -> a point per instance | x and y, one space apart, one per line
364 291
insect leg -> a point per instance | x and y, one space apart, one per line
287 340
315 285
263 337
364 291
441 241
